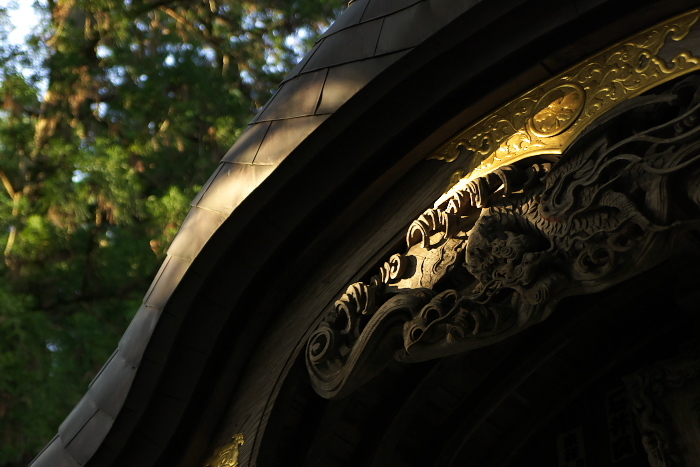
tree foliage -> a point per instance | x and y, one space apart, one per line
114 113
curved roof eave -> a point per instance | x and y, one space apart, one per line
372 39
366 39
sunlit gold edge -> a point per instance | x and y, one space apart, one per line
570 135
215 459
474 174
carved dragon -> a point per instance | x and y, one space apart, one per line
497 256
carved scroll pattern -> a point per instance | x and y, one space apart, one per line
227 455
547 119
497 256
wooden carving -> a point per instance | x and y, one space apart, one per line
498 255
666 402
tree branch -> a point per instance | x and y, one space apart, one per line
177 17
7 184
150 7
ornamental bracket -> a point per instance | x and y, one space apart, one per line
500 249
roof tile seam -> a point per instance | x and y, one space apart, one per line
159 274
323 36
280 119
379 37
55 439
152 306
379 55
271 102
134 369
257 163
306 68
320 94
345 11
100 409
364 20
361 14
67 445
156 285
237 150
198 197
257 150
330 68
86 397
184 257
222 164
121 354
285 119
201 223
99 373
290 77
135 362
286 151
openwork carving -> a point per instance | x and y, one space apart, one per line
547 119
497 255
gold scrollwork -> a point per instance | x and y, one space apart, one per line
548 118
227 455
557 110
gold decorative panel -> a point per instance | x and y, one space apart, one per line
227 455
548 118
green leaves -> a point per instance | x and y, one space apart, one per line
25 369
112 116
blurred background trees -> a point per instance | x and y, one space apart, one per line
113 115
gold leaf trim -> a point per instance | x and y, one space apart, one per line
227 455
548 118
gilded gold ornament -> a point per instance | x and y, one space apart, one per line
557 110
548 118
227 455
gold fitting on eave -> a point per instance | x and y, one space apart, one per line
549 117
